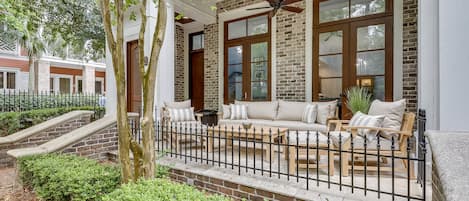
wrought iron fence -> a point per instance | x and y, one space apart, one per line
383 166
422 146
24 100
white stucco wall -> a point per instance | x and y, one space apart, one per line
444 63
165 74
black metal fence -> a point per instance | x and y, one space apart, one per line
422 147
24 100
382 168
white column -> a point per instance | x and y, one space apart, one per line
89 78
43 76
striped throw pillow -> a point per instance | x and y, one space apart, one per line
310 113
239 112
181 114
360 119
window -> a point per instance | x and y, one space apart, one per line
79 86
61 83
64 85
247 59
197 42
7 80
98 87
352 47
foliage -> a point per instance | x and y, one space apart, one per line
12 122
358 99
66 177
26 101
159 189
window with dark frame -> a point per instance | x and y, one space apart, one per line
353 46
7 80
247 59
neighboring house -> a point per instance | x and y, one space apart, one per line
397 48
53 74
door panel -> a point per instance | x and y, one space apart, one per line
134 81
197 80
235 73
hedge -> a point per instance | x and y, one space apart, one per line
33 101
66 177
159 189
11 122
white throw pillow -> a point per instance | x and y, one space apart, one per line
326 110
178 105
393 113
360 119
226 112
238 112
181 114
310 113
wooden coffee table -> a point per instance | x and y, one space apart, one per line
260 135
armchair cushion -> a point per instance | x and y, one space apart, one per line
305 137
181 114
260 110
359 141
226 112
326 110
178 105
393 112
362 120
310 113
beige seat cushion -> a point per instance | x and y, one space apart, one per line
186 127
290 111
178 105
359 141
303 138
291 125
393 113
260 110
326 110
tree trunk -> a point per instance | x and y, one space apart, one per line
32 75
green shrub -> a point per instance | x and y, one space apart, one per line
358 99
159 189
11 122
29 101
66 177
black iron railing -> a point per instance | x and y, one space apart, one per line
383 167
24 100
422 147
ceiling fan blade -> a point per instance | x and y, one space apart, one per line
286 2
292 9
259 8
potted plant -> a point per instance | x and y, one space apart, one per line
358 99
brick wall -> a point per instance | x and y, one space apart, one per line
45 136
291 54
410 43
179 64
225 187
211 66
96 146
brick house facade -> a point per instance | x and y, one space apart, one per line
290 74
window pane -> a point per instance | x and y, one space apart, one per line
235 73
330 66
331 88
237 29
257 25
371 63
333 10
80 86
374 84
259 52
97 87
235 91
1 80
330 42
235 55
371 37
367 7
11 80
64 85
203 40
259 90
197 42
51 86
259 58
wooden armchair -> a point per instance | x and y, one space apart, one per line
348 133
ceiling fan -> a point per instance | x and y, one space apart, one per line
280 4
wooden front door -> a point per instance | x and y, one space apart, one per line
134 81
196 80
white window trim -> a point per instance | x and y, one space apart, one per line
56 77
100 79
5 70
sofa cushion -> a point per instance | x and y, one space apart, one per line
290 111
226 112
291 125
310 113
326 110
360 119
393 112
238 112
178 105
260 110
